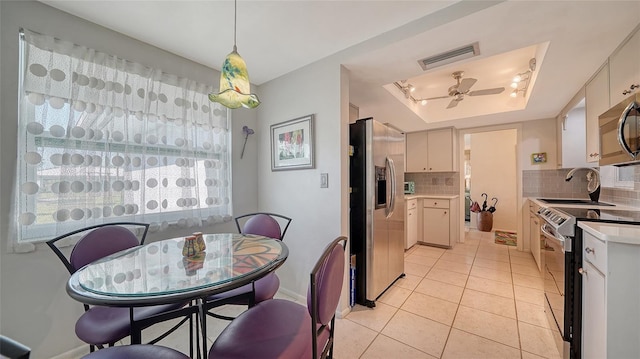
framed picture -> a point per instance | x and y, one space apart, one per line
538 158
292 144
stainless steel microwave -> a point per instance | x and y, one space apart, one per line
620 133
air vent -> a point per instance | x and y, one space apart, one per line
448 57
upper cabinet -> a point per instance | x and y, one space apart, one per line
596 102
431 151
572 139
416 155
624 69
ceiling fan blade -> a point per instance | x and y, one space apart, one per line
453 103
493 91
434 98
466 84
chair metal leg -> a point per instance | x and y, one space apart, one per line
136 335
191 334
202 313
252 298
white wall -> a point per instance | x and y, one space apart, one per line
318 213
539 136
494 172
34 307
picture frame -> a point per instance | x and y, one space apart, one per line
537 158
292 144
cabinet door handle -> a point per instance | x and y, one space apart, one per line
582 271
632 87
595 154
589 250
445 212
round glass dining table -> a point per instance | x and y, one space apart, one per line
158 273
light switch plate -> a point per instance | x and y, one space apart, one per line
324 180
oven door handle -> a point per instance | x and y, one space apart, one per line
548 234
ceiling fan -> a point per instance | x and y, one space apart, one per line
461 89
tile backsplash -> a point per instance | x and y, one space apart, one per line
445 183
535 183
551 183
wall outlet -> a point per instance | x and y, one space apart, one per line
324 180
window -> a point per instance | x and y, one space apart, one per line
104 139
617 177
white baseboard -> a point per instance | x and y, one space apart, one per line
295 296
340 313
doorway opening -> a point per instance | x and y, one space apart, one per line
490 168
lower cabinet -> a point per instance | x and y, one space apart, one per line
439 224
534 234
610 295
594 336
411 224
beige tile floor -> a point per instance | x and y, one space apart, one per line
476 300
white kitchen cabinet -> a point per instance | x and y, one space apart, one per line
594 309
624 69
534 234
439 225
416 155
596 102
572 140
432 151
610 290
411 223
440 150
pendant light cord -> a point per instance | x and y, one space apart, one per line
235 22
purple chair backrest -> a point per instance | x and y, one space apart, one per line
101 242
329 280
263 225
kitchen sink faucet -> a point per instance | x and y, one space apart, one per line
593 178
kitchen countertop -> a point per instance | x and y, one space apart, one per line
620 207
610 232
437 196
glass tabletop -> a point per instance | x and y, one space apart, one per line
159 268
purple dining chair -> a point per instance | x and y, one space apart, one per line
281 328
136 351
12 349
263 224
101 325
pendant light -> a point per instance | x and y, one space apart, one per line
235 88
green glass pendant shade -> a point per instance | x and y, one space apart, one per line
235 89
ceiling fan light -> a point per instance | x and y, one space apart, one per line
411 88
514 93
517 79
423 102
514 85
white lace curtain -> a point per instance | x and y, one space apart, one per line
103 139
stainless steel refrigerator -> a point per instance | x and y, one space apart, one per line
376 170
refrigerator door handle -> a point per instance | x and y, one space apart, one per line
392 173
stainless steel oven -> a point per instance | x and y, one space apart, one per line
563 288
557 230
